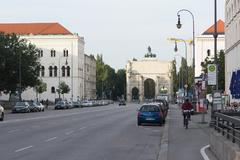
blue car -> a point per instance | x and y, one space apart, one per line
150 113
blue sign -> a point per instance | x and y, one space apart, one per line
235 85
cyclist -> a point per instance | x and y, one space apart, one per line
186 109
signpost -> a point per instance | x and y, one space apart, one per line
212 72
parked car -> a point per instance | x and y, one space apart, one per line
21 107
87 104
122 102
40 107
69 104
33 107
163 109
1 113
76 104
61 105
150 113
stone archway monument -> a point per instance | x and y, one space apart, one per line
149 76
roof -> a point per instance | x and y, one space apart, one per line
34 28
220 28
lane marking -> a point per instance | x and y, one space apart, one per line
14 130
57 116
68 133
22 149
81 128
50 139
203 153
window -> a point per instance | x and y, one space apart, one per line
50 71
42 71
63 71
40 53
53 53
55 71
208 52
68 71
65 53
53 90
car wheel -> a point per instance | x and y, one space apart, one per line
43 110
139 123
161 122
2 117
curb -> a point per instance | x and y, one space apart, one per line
203 153
163 153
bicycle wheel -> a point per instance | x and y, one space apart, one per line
186 122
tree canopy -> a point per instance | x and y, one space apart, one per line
19 63
110 84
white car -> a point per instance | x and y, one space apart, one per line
40 107
1 113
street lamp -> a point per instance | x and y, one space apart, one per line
179 25
215 40
59 74
176 49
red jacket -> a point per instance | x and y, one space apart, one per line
187 106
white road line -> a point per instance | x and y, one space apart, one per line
203 153
22 149
81 128
14 130
50 139
68 133
56 116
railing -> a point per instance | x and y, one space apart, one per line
228 125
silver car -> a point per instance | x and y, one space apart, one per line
1 113
21 107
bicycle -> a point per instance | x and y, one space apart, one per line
186 118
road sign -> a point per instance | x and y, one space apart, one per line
212 76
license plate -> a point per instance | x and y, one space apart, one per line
149 119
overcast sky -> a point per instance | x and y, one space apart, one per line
119 29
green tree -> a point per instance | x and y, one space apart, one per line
18 63
221 70
40 88
120 84
63 88
174 77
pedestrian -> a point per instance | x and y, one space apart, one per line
47 103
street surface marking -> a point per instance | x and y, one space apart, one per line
15 130
203 153
81 128
68 133
50 139
56 116
22 149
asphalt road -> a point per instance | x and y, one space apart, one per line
98 133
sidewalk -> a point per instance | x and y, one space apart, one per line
185 144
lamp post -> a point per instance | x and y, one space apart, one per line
179 25
176 49
180 78
59 74
20 76
215 35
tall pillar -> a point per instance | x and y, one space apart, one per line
141 89
129 92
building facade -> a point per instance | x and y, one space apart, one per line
148 78
89 77
232 52
204 45
61 56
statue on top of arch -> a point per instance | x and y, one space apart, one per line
150 54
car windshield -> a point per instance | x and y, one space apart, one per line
60 102
149 108
20 104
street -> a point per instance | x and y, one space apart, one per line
102 133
